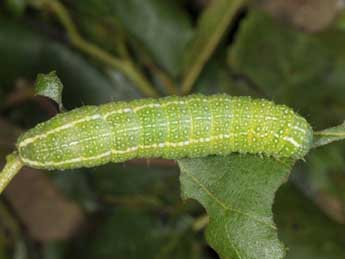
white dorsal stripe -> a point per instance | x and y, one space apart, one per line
94 117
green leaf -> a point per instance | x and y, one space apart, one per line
330 135
49 85
322 178
138 186
237 191
16 7
75 185
211 28
216 78
308 233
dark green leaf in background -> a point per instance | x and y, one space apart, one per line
162 27
142 216
291 67
136 233
217 78
16 7
308 233
25 53
322 179
154 186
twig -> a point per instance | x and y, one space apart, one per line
123 65
200 222
23 91
208 47
12 167
164 78
167 82
329 134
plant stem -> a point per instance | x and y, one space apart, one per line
169 85
12 167
201 222
167 82
124 66
330 134
208 45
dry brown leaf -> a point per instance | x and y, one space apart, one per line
309 15
43 209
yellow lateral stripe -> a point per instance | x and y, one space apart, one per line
132 149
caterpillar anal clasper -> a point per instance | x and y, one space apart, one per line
170 127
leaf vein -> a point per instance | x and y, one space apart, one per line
232 245
223 205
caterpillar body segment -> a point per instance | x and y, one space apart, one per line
170 127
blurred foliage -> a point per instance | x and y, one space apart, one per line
304 71
306 230
133 209
26 53
149 237
143 26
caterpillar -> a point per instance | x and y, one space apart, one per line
169 127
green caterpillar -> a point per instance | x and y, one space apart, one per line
170 127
